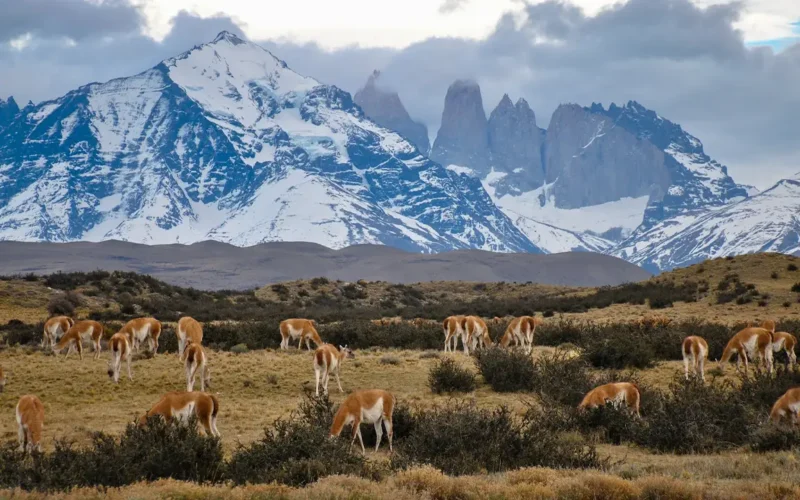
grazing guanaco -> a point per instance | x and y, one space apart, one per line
695 352
140 330
304 329
618 393
753 342
194 359
120 349
787 406
453 329
327 359
81 330
2 379
55 328
785 341
371 406
182 405
476 332
189 330
521 331
30 421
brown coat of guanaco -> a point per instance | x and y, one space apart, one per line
787 407
304 329
194 359
695 353
30 422
373 406
120 349
453 327
182 405
785 341
327 359
750 342
189 331
615 393
55 328
140 330
86 329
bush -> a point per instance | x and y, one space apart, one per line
796 288
791 267
462 439
19 333
774 275
505 370
297 451
390 360
448 376
159 449
621 348
774 437
60 306
239 349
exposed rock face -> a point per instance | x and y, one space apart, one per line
463 137
593 161
8 110
515 143
385 108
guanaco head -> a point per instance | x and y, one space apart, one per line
348 353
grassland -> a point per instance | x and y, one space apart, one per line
257 387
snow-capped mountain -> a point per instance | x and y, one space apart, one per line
225 142
765 222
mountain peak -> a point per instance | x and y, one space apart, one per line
505 103
227 36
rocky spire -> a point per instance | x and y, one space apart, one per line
385 108
516 142
8 110
463 137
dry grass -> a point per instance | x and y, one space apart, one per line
428 483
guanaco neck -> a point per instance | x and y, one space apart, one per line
339 420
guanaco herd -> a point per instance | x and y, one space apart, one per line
373 406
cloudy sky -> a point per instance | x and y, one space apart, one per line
729 72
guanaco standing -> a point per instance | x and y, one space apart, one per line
521 331
476 332
189 330
371 406
453 330
787 406
753 342
194 358
140 330
120 349
182 405
30 421
784 341
327 359
618 393
695 354
305 329
55 328
81 330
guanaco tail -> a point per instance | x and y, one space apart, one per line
194 358
453 330
695 354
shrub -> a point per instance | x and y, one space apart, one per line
791 267
775 437
774 275
613 424
448 376
297 451
18 333
462 439
390 360
694 417
59 306
505 370
239 349
796 288
620 348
